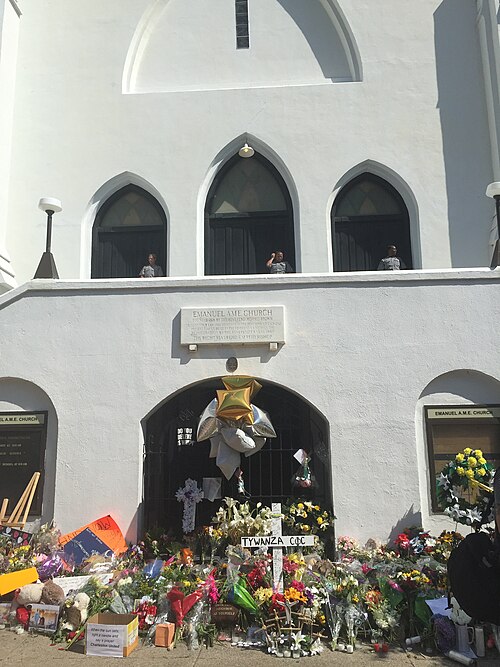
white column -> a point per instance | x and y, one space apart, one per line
9 33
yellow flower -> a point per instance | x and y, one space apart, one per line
481 460
467 451
481 471
355 599
305 527
300 506
472 462
459 458
319 520
317 508
478 453
469 474
460 471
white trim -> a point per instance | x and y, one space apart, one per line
399 184
216 165
98 199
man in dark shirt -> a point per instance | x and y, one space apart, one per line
277 264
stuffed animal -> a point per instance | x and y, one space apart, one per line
76 615
52 594
29 594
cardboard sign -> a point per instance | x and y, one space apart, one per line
43 617
112 635
9 582
104 529
84 545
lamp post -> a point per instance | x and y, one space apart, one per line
493 191
47 266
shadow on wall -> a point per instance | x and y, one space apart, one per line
316 26
410 518
464 126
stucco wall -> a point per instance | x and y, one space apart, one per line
362 349
418 114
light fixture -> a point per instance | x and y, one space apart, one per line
493 191
246 151
47 266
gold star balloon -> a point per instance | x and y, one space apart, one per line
234 404
241 382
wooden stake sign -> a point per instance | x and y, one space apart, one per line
277 541
25 501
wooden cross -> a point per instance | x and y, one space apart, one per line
24 503
277 541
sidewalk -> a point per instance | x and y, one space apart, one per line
36 650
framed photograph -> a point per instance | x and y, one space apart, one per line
5 611
43 617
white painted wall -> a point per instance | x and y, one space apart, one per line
419 112
9 31
362 349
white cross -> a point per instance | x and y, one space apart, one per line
277 541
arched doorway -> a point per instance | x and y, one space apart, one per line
248 215
172 454
368 215
128 226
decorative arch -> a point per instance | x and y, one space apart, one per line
363 248
440 437
106 193
20 395
171 456
240 241
159 59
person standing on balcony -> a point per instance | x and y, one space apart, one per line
392 262
277 264
151 270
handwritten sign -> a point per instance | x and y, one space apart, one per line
277 542
113 635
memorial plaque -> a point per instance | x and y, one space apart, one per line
23 437
240 325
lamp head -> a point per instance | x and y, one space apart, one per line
50 204
246 151
493 190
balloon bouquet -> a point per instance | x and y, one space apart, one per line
235 426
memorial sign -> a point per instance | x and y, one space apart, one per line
277 542
23 438
238 325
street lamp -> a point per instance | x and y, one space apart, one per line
493 191
47 266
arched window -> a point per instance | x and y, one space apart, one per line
248 215
368 215
128 226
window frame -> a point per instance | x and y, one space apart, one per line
431 457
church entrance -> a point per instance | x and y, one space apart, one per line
172 455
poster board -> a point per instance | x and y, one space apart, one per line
23 439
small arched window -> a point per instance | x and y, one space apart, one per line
367 216
248 215
128 226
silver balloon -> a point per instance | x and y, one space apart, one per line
262 424
238 440
259 443
207 426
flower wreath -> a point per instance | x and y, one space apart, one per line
470 472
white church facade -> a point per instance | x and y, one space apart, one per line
367 124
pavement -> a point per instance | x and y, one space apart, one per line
28 649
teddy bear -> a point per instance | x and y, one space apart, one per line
52 594
77 613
